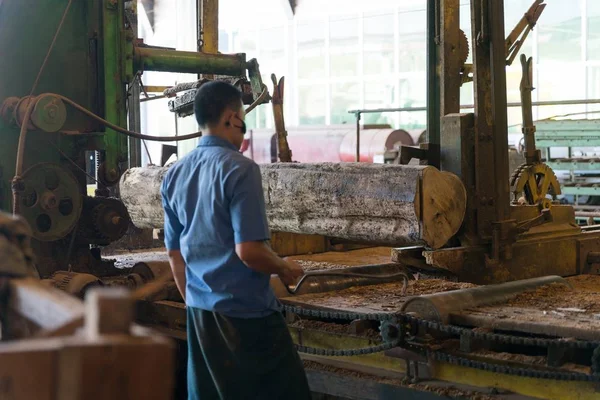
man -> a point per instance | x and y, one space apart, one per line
215 233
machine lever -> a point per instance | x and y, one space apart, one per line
302 280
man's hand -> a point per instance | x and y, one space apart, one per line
291 272
260 257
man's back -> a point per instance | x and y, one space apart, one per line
213 199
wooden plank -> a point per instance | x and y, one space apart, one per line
47 307
119 368
28 370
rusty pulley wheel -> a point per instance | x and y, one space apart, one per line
51 201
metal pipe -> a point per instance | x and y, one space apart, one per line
439 306
470 106
189 62
357 137
352 276
433 83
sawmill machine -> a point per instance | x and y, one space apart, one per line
460 216
70 86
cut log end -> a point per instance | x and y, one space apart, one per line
440 205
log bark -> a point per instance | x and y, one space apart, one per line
140 192
386 204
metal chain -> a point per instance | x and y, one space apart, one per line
504 369
350 316
346 352
404 319
497 337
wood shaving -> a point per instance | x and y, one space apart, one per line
557 298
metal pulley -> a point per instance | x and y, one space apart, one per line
51 201
49 113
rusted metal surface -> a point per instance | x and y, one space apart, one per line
450 62
283 147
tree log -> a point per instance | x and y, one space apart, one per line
140 192
387 204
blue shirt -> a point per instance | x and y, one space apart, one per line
213 199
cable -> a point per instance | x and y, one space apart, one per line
72 162
58 29
17 184
259 100
118 129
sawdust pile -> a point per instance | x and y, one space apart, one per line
448 391
584 296
341 329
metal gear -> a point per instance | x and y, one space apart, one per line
534 182
51 201
463 47
110 219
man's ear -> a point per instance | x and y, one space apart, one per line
229 115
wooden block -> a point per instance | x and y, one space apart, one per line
47 307
116 368
27 370
107 311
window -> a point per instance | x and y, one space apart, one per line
311 107
379 94
552 85
311 49
272 51
344 45
378 28
559 31
344 97
593 33
413 40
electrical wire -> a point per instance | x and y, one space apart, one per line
17 184
71 161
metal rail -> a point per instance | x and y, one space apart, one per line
358 112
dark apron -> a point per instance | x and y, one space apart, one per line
237 358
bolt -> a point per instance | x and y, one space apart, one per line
112 174
49 201
51 110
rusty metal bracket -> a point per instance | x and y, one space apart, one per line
407 153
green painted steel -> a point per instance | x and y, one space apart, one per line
574 165
114 88
26 31
580 190
152 59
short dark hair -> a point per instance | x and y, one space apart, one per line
212 99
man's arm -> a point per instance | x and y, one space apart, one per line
178 268
251 229
173 229
260 257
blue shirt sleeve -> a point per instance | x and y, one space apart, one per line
173 227
247 208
